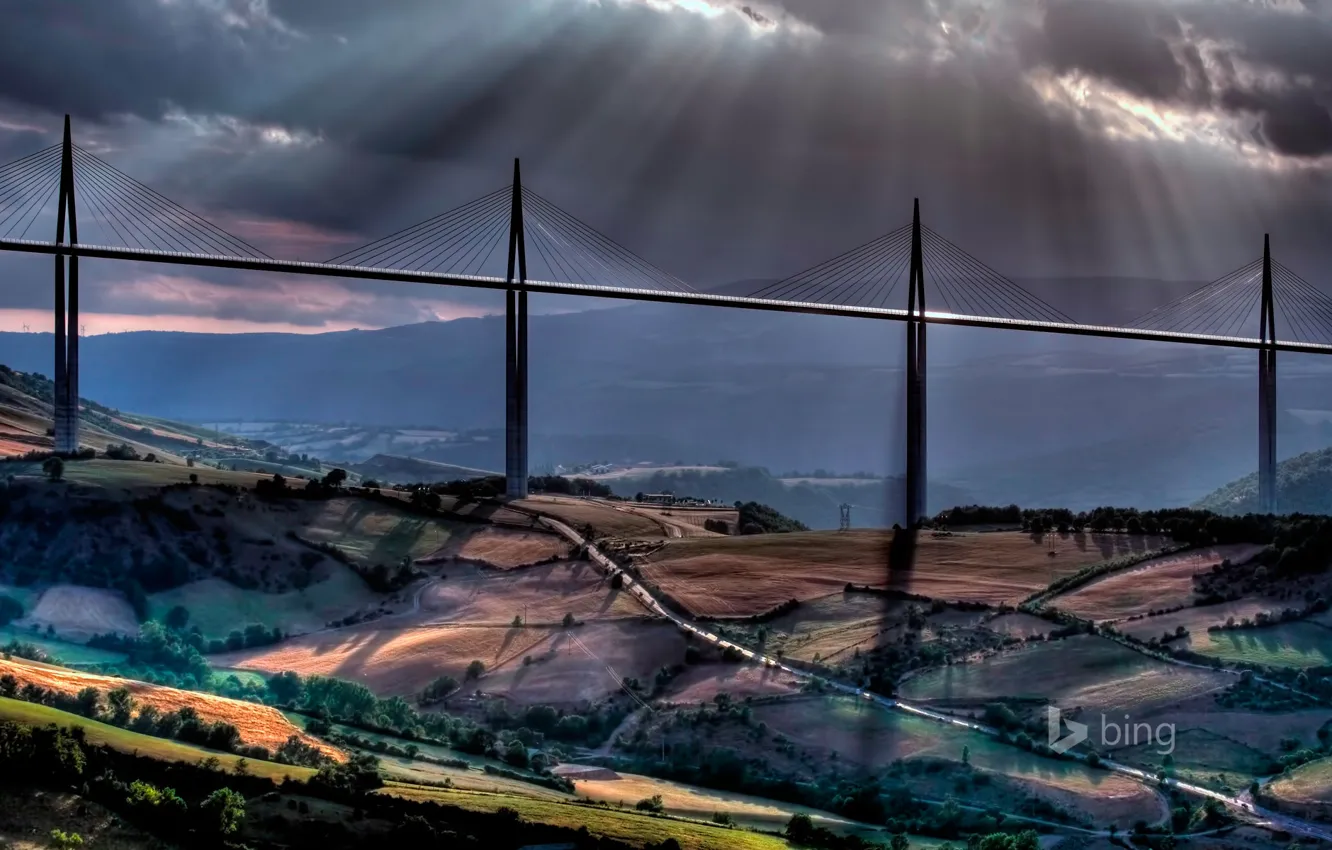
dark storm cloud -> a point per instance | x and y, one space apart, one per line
1267 66
715 152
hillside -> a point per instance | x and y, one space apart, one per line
656 383
396 468
814 502
1304 486
26 422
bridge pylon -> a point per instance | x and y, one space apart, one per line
915 379
1267 501
515 335
65 407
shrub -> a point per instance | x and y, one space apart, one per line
65 840
651 804
54 468
223 811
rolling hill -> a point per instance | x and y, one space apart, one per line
1304 485
665 384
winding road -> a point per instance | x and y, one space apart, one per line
1244 808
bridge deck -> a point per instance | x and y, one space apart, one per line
669 297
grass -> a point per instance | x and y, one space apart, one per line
125 741
371 533
1309 784
217 607
1295 644
868 735
1085 670
602 517
127 473
621 825
259 725
430 750
1164 582
741 576
72 654
1203 756
701 803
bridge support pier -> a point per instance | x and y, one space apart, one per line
1267 438
65 407
515 334
915 381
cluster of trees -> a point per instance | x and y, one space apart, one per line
193 805
438 690
719 526
157 646
58 757
761 519
124 451
277 488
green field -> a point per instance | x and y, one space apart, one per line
372 533
1204 757
1299 644
102 734
132 473
217 607
623 825
1064 671
1309 784
869 735
71 654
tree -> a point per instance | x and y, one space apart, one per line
335 478
568 621
177 618
516 753
120 706
475 670
439 689
517 621
966 756
223 811
286 686
652 804
54 468
899 842
65 840
88 702
799 829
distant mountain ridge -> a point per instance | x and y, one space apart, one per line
1020 418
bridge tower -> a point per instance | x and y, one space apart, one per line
915 379
515 335
65 409
1267 390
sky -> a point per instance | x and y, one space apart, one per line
721 140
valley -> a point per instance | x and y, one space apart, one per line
530 655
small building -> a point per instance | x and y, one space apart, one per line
658 499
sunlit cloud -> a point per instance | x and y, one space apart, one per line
241 16
314 304
229 132
757 17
